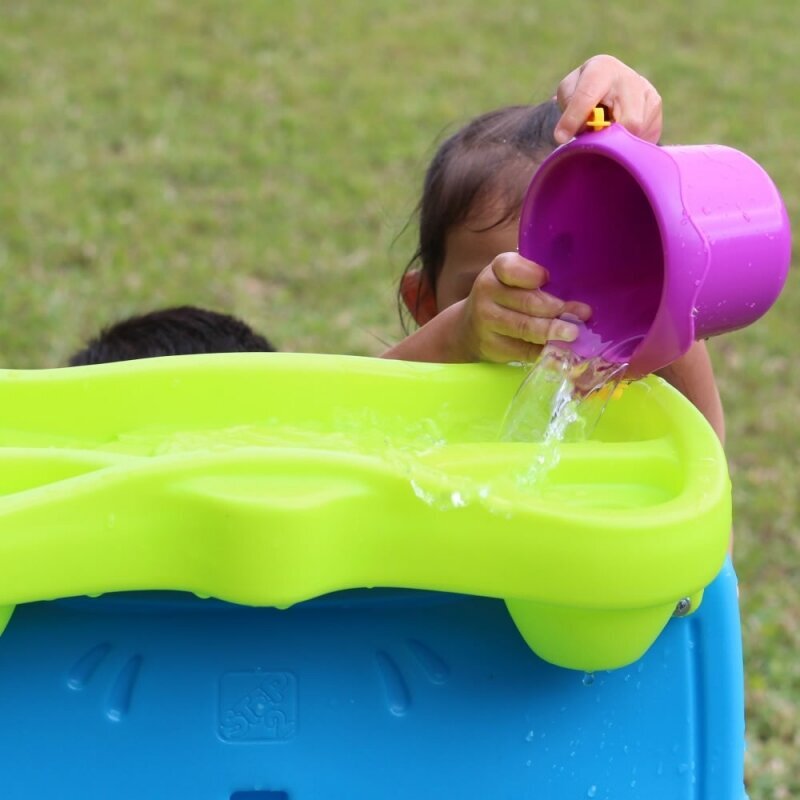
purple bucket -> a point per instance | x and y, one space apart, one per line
667 244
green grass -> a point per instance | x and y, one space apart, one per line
263 158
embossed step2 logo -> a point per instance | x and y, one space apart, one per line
257 706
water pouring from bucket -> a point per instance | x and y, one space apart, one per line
667 244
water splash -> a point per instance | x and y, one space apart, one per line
561 399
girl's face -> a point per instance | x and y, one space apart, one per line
469 248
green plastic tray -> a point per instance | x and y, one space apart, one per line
267 479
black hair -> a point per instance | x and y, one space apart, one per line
184 330
496 152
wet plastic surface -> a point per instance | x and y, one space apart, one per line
268 479
360 695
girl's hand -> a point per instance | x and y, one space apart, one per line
507 316
605 80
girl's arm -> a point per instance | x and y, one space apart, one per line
506 317
437 340
693 376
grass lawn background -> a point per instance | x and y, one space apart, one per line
264 158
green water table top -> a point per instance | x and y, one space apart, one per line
268 479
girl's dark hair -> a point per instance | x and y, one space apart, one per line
185 330
496 152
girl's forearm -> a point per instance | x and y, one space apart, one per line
693 376
437 340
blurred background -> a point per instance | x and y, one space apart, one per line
264 158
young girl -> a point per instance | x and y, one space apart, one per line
473 295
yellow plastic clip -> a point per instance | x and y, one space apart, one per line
599 118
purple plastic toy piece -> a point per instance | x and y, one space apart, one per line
667 244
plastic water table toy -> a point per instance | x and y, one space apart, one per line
267 480
253 486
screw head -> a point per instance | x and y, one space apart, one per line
683 607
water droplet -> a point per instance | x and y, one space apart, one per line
528 763
591 791
695 311
529 736
457 499
422 493
588 679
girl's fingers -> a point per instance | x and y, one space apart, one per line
575 114
538 303
653 119
628 110
582 311
511 269
504 349
567 86
638 108
534 330
578 94
605 80
532 302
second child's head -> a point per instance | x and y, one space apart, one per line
471 198
185 330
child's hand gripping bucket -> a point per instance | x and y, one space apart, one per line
667 244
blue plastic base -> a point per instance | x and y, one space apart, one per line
358 696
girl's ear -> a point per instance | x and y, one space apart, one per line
418 295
